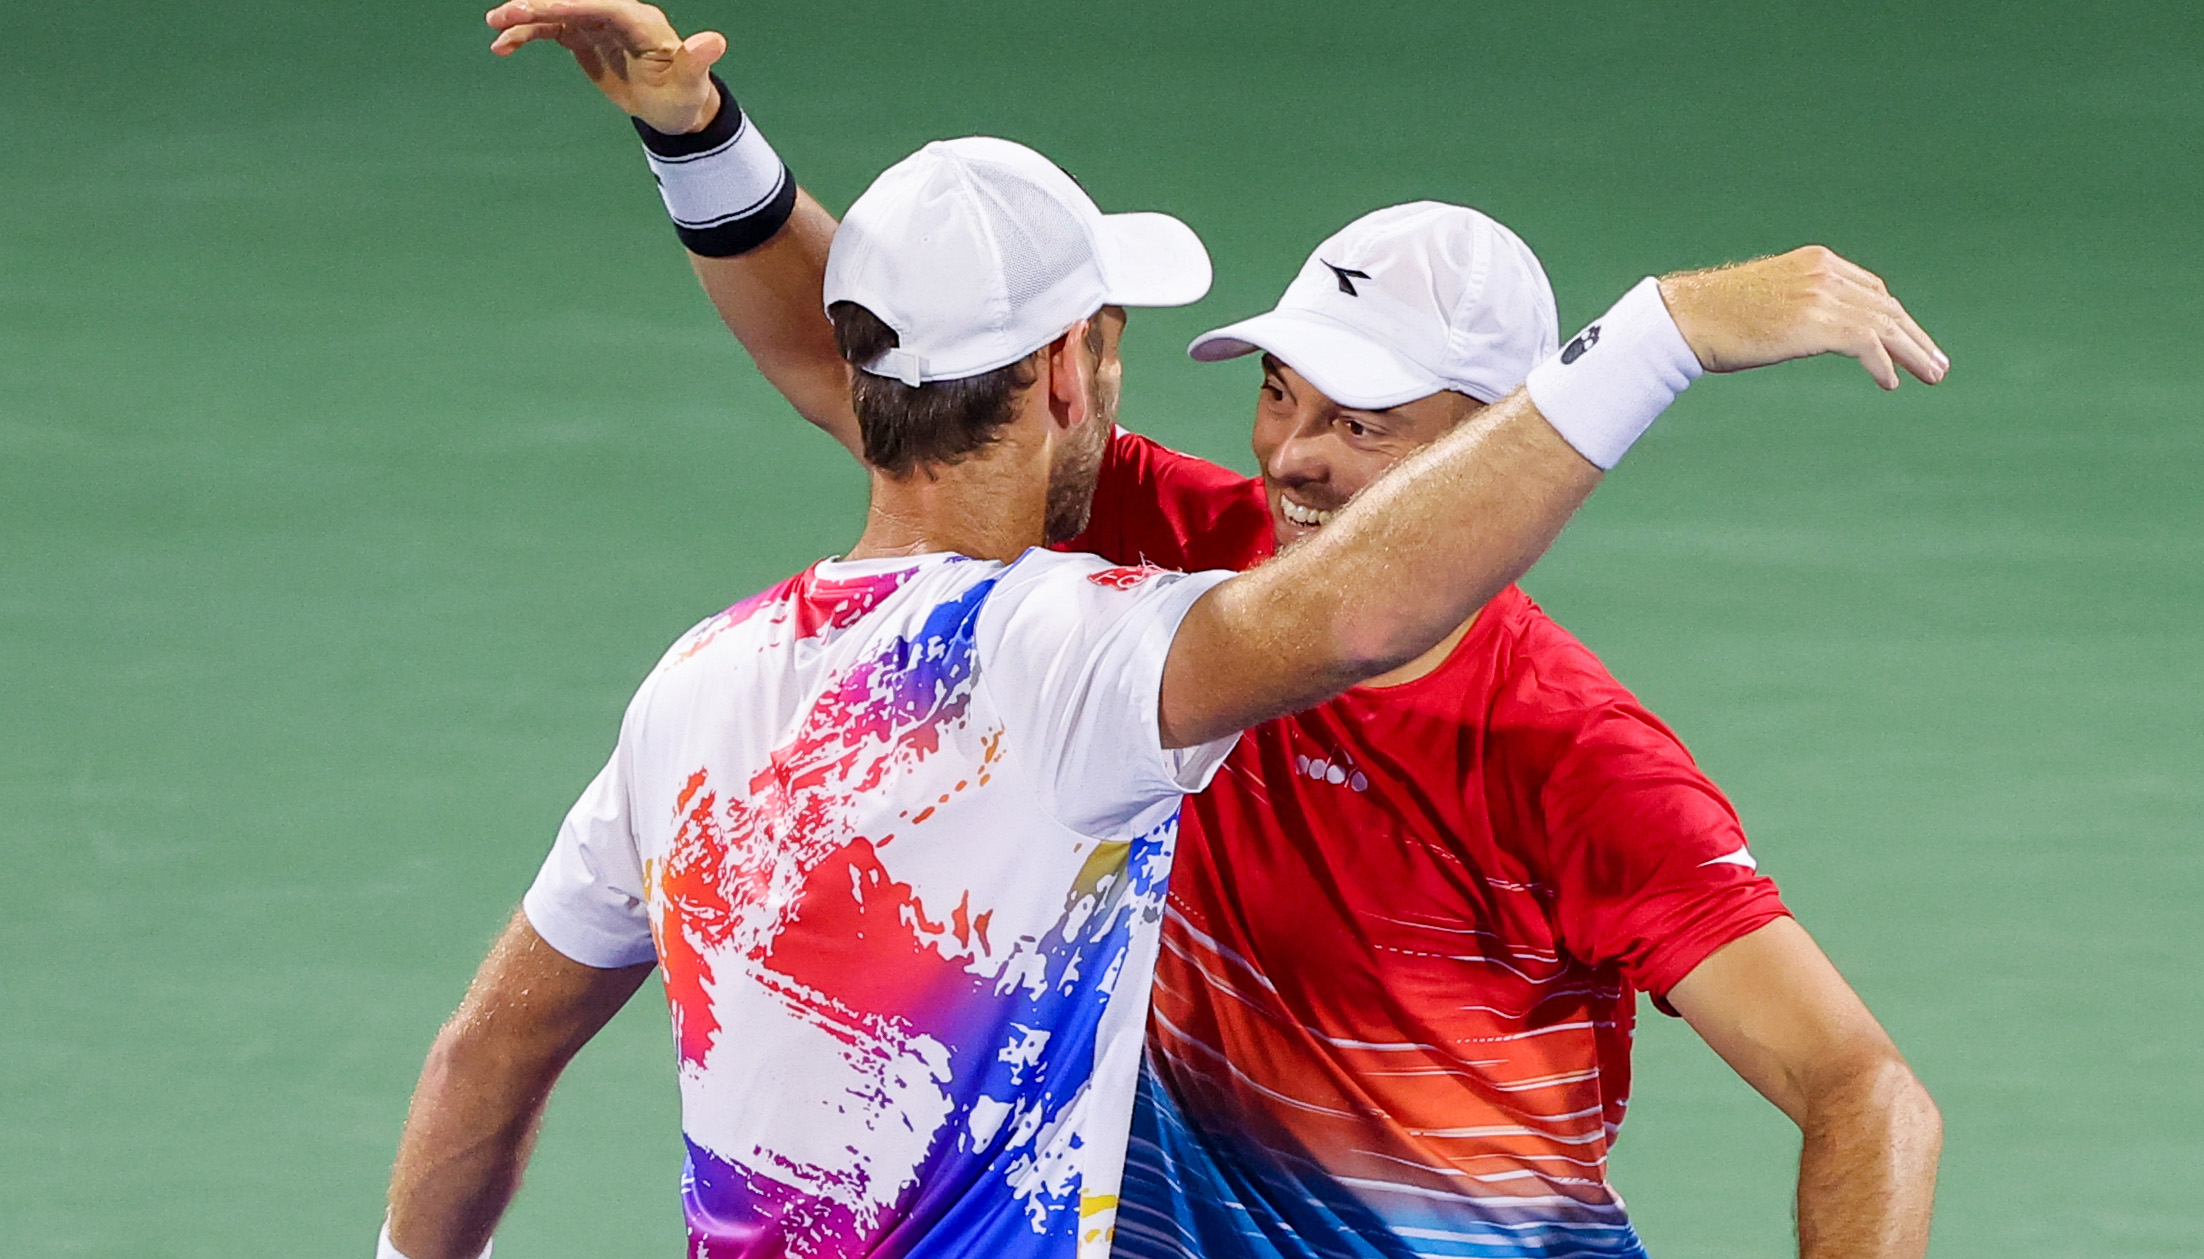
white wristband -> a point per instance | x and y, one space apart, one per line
384 1250
1608 385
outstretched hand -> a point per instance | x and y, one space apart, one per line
629 50
1796 305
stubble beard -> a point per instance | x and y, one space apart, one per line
1078 466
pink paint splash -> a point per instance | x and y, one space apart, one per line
734 854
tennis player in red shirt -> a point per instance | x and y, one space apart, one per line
1406 929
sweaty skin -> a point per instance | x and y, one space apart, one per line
1391 575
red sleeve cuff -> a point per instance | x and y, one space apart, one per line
1680 950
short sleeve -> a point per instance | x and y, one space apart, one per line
588 899
1649 864
1072 653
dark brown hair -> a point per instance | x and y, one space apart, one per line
941 421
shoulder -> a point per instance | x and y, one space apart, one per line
1542 662
768 604
1550 701
1073 582
1051 609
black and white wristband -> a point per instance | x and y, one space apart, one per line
1608 385
725 187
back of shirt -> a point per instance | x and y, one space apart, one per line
897 832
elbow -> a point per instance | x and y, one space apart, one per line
1366 644
1882 1092
476 1046
454 1057
1927 1119
1909 1101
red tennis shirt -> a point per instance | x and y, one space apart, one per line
1405 934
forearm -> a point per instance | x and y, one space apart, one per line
482 1091
1432 542
1867 1169
1778 1012
757 242
1407 562
770 298
467 1139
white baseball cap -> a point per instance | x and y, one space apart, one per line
1402 303
980 251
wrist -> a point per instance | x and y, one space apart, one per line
1684 292
688 120
695 119
725 188
704 127
1612 380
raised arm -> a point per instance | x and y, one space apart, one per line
769 294
483 1089
1776 1010
1424 547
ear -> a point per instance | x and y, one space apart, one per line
1068 376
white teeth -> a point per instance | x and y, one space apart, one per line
1300 515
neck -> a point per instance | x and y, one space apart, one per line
992 505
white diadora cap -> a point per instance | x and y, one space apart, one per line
1402 303
980 251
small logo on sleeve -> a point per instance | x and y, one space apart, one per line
1585 340
1742 857
1347 276
1124 578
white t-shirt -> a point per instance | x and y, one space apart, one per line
897 831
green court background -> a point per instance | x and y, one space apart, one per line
363 440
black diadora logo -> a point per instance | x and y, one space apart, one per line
1585 340
1346 285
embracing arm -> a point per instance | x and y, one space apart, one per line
1775 1009
770 296
473 1120
1427 544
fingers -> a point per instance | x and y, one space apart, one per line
1902 339
508 15
1806 302
1909 343
1874 355
639 28
1897 338
1912 349
512 38
704 49
1919 337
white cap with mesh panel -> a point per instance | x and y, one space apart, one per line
978 251
1402 303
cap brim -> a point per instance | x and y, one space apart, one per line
1158 261
1351 369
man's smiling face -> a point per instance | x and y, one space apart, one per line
1316 454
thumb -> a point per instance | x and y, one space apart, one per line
704 49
